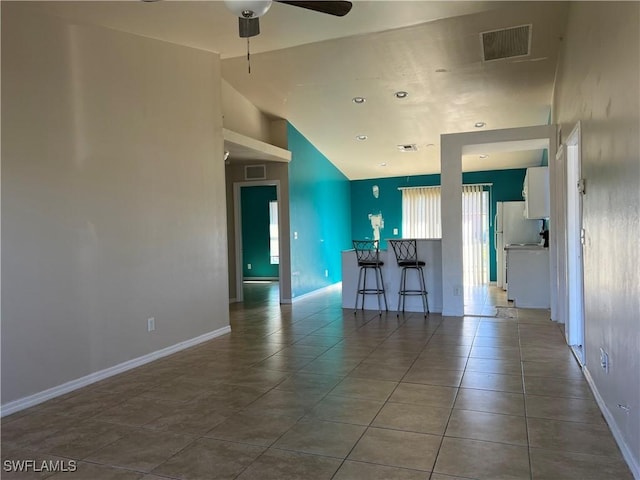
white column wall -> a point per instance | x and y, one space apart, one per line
451 205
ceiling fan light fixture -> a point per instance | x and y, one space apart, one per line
248 8
401 94
358 100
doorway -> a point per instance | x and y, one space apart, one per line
258 223
574 327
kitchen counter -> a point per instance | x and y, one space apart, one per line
528 277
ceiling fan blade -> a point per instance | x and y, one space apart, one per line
337 8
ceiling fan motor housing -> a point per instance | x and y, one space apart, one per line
248 27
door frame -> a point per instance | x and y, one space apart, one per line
237 223
560 231
575 325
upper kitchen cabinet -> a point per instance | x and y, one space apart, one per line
536 193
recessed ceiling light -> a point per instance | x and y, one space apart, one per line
401 94
431 145
383 164
358 100
480 124
483 156
361 137
441 70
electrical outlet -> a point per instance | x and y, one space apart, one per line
604 360
326 273
248 266
395 231
457 291
151 324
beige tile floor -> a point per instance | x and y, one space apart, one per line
311 391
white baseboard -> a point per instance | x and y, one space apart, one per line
319 291
634 466
31 400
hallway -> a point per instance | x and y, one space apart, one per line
312 391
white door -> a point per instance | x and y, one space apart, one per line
575 240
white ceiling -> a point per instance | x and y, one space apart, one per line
306 67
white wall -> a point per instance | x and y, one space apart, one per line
113 199
599 85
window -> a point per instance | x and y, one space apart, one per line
274 241
421 219
421 212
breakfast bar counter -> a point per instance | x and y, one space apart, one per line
429 251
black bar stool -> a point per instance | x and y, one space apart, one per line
406 251
368 256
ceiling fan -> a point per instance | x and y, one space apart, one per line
250 11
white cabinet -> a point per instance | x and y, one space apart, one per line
536 193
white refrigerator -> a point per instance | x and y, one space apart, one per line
512 227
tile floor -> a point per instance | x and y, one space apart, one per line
311 391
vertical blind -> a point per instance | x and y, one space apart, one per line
475 231
421 213
421 219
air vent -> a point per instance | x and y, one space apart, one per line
506 43
410 147
255 172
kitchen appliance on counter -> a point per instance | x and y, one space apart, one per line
512 227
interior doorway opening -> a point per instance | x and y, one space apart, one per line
258 222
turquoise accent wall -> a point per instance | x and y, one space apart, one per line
255 231
507 186
320 203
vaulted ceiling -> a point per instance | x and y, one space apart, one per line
306 67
